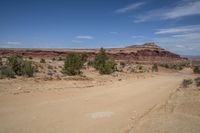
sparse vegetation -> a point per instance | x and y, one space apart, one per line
186 82
42 60
108 68
30 58
1 62
27 68
103 63
173 66
20 66
50 67
60 58
53 59
122 63
154 68
73 64
197 81
15 62
6 71
196 69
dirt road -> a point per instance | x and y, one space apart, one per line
110 108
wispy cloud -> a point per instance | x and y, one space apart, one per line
180 29
182 9
13 43
184 39
130 7
137 37
84 37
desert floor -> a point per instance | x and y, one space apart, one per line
141 103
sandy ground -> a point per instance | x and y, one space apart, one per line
140 104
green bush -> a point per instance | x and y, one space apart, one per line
15 62
154 68
197 80
27 68
73 64
108 68
42 60
1 62
100 59
6 71
103 64
60 58
122 64
196 69
30 57
186 82
20 66
50 67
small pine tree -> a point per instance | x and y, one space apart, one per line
73 64
103 63
100 59
108 68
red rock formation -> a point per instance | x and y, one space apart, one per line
146 52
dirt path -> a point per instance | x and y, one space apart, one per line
104 109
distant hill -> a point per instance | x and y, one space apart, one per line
148 52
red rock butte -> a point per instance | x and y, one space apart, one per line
148 52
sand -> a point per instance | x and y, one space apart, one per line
134 104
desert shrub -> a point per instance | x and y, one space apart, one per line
196 69
15 62
30 57
42 60
73 64
27 68
60 58
1 62
100 59
50 67
197 81
84 56
90 63
140 67
122 64
154 68
103 64
6 71
174 66
53 59
186 82
108 68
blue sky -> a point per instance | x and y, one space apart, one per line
172 24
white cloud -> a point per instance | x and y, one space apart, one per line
180 46
184 39
137 37
180 29
84 37
182 9
13 43
130 7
